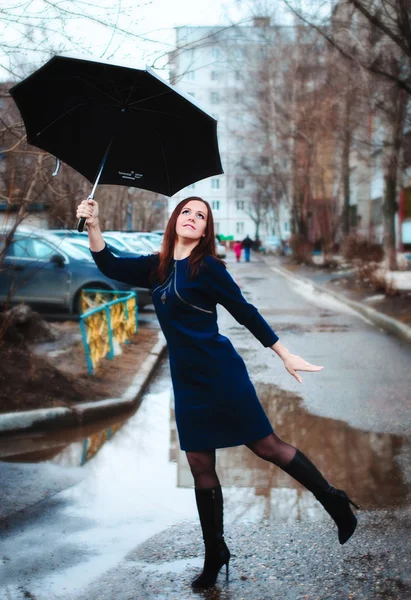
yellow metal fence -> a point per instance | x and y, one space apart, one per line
108 317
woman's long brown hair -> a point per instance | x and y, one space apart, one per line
205 247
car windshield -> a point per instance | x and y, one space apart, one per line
80 245
140 246
117 243
73 251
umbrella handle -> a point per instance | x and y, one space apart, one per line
82 221
80 224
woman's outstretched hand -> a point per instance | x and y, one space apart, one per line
294 363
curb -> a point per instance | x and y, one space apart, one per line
389 324
87 411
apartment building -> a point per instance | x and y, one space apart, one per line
212 64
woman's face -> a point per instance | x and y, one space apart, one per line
192 221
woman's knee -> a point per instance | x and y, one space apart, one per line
268 448
201 462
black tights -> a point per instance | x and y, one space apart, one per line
270 448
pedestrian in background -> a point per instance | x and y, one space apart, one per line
247 245
237 250
216 405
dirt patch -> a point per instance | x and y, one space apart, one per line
54 373
397 307
354 288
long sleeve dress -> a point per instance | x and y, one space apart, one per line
216 405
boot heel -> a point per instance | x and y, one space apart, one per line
350 501
226 570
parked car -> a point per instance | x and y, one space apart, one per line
124 241
153 238
80 240
221 251
47 272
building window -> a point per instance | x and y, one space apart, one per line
215 204
215 52
215 98
286 226
264 161
238 75
240 204
239 184
190 75
239 227
215 76
215 184
237 97
216 227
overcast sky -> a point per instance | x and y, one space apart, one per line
153 22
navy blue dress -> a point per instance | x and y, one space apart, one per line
216 405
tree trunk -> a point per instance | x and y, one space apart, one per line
346 170
390 180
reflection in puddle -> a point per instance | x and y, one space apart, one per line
67 447
360 462
365 464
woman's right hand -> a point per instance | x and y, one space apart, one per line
88 209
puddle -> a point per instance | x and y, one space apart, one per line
80 443
365 464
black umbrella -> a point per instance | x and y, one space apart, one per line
117 125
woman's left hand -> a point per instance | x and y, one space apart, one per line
294 363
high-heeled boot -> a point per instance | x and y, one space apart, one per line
217 554
336 502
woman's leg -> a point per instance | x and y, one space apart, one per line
209 500
296 464
202 465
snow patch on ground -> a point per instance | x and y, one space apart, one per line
324 300
400 279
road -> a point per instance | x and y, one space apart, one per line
124 525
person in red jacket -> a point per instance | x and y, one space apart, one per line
237 250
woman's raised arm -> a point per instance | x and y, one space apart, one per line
89 210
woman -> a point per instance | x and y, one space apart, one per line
215 402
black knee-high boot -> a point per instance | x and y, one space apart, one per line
336 502
210 510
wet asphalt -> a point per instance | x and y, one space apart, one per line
124 525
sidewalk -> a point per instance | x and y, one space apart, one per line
322 280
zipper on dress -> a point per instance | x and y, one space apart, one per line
182 299
164 282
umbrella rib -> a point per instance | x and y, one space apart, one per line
98 89
113 85
132 89
157 112
149 98
55 120
165 163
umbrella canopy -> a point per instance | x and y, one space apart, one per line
158 139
